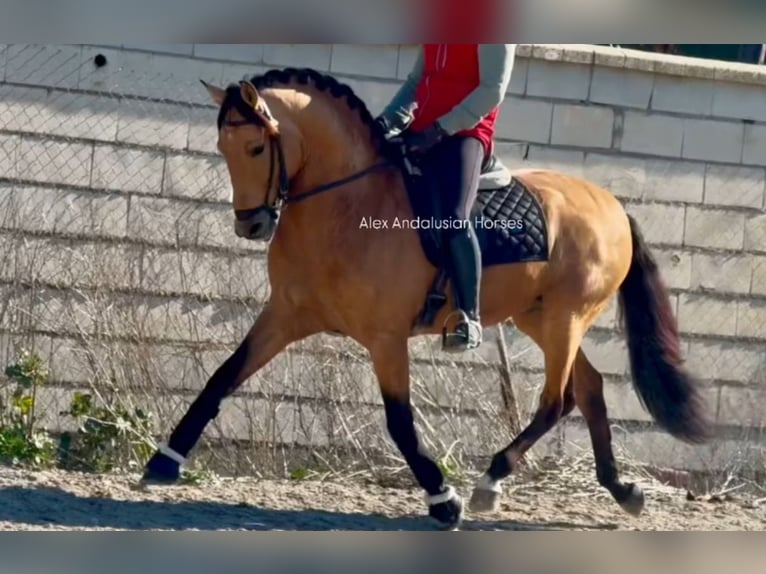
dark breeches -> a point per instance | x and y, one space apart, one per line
455 165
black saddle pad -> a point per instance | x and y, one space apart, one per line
509 222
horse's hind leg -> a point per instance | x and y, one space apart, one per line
589 396
559 334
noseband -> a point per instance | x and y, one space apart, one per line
280 195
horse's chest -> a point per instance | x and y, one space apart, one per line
319 285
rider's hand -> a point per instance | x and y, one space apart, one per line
421 142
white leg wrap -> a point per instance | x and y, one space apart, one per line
171 454
486 483
445 496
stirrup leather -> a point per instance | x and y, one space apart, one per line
466 335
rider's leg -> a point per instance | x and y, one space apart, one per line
458 161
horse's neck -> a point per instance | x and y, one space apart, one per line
336 146
344 219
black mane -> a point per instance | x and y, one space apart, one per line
322 82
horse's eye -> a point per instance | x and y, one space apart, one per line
257 150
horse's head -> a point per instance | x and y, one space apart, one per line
255 147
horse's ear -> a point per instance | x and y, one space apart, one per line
253 99
216 94
249 93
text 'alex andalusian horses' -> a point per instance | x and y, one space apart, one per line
308 167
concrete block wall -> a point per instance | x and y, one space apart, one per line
115 225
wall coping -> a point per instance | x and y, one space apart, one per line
612 57
630 59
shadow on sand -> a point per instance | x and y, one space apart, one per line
53 507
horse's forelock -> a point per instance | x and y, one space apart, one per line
233 100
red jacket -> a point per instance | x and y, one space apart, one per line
450 73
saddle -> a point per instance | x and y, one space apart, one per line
507 217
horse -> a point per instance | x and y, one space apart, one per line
313 176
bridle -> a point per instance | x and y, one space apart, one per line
277 196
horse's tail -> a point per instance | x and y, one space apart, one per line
666 390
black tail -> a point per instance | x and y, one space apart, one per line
665 388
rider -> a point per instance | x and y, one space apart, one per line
456 90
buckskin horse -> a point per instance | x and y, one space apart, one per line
308 167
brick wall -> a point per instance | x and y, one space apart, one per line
115 230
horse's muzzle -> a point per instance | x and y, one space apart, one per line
257 225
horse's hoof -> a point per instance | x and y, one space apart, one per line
161 470
483 500
448 513
634 503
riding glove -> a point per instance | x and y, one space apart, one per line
421 142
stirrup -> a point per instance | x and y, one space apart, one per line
467 334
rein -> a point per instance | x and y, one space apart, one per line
337 183
274 204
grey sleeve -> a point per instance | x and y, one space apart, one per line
396 112
495 67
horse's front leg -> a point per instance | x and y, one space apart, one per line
275 328
390 359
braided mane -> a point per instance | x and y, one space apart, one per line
323 83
